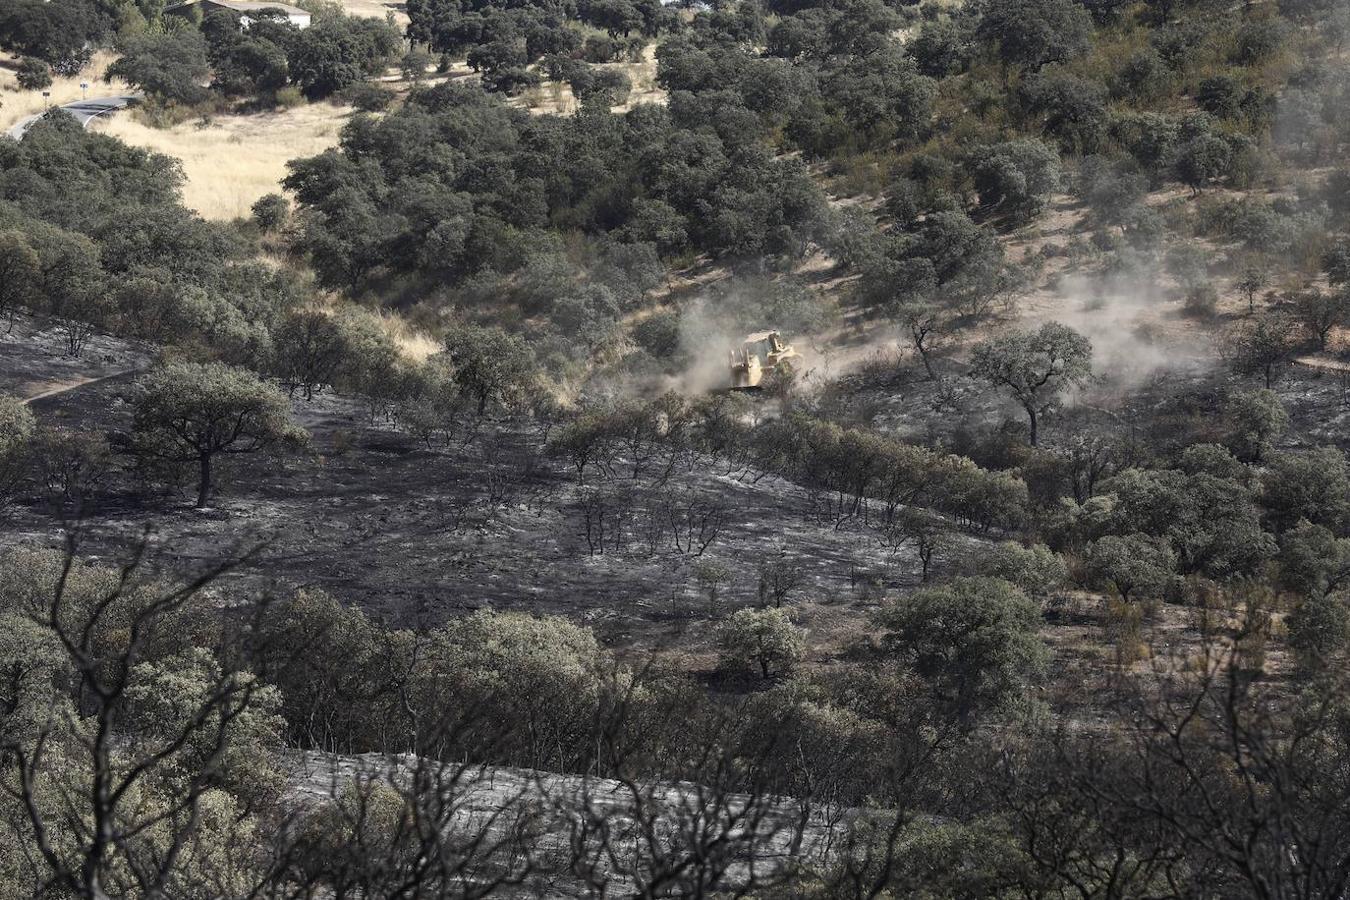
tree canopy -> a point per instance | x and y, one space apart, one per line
194 413
1035 367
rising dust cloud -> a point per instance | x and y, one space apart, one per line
1136 328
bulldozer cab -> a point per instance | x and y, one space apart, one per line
765 345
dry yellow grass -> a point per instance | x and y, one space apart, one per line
234 160
416 345
16 103
556 98
376 9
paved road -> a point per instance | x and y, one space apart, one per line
83 110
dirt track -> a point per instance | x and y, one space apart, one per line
35 367
52 390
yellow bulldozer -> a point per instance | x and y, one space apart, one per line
756 358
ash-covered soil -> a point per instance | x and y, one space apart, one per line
416 534
545 826
35 360
892 395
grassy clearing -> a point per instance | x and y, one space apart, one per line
229 164
234 160
416 345
556 97
17 103
376 9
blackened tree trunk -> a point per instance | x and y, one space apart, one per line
204 481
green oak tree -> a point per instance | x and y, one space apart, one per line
1134 564
972 640
492 366
761 640
1035 367
194 413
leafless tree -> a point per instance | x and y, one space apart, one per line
694 522
82 786
606 516
918 528
779 578
1211 781
411 827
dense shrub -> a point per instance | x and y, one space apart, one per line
1019 176
33 74
973 641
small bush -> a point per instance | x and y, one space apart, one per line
33 74
414 65
271 212
290 97
1201 300
17 428
659 334
1123 624
1036 570
1258 42
600 49
1222 96
1319 629
369 97
1142 77
615 83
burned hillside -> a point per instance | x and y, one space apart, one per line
780 449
